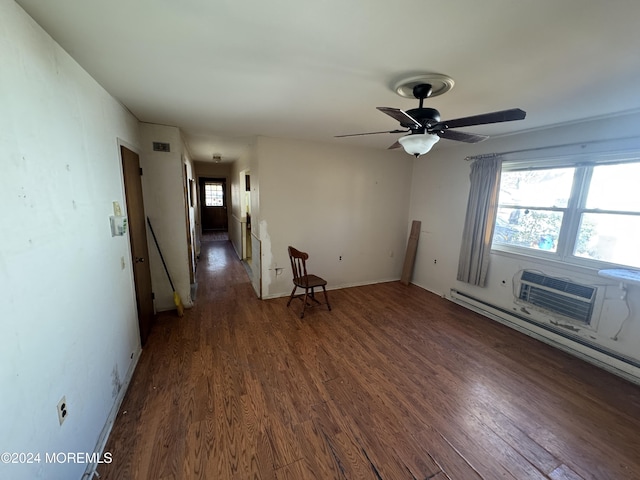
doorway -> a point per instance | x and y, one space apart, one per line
188 205
213 204
247 210
245 220
138 237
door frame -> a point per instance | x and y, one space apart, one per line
188 204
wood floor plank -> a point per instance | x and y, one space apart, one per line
393 383
194 465
256 455
448 459
299 470
318 452
564 473
284 444
364 428
338 432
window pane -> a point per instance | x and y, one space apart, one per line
529 228
615 187
537 188
213 195
610 238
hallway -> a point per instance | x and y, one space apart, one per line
394 383
174 387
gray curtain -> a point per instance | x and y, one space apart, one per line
481 218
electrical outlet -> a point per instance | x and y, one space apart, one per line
123 264
62 410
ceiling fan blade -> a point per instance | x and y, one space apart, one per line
462 136
483 119
395 145
370 133
403 117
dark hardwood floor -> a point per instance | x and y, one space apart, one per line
394 383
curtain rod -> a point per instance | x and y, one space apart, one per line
548 147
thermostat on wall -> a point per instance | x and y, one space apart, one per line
118 225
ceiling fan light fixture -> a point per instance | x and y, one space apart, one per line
418 143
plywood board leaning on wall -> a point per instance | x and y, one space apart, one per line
410 256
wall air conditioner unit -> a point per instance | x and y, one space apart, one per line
559 296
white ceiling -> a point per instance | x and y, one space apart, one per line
225 71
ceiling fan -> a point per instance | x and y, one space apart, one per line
425 128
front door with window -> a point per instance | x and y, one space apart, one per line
213 204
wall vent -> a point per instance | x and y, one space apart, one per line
566 298
161 147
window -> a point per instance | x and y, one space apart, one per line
213 195
575 213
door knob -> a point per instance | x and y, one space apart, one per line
139 260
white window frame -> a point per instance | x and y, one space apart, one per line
568 235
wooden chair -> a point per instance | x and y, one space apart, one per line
301 279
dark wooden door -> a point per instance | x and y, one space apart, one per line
213 204
138 236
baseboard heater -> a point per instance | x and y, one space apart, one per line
477 304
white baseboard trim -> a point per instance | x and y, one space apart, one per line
335 287
90 471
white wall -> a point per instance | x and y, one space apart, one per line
331 201
237 220
440 188
237 190
69 324
164 202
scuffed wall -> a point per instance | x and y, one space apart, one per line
163 186
345 206
69 323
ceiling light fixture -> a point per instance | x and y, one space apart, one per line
418 143
217 158
430 85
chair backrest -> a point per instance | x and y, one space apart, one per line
298 262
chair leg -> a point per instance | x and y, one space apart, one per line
291 297
313 295
304 303
326 297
